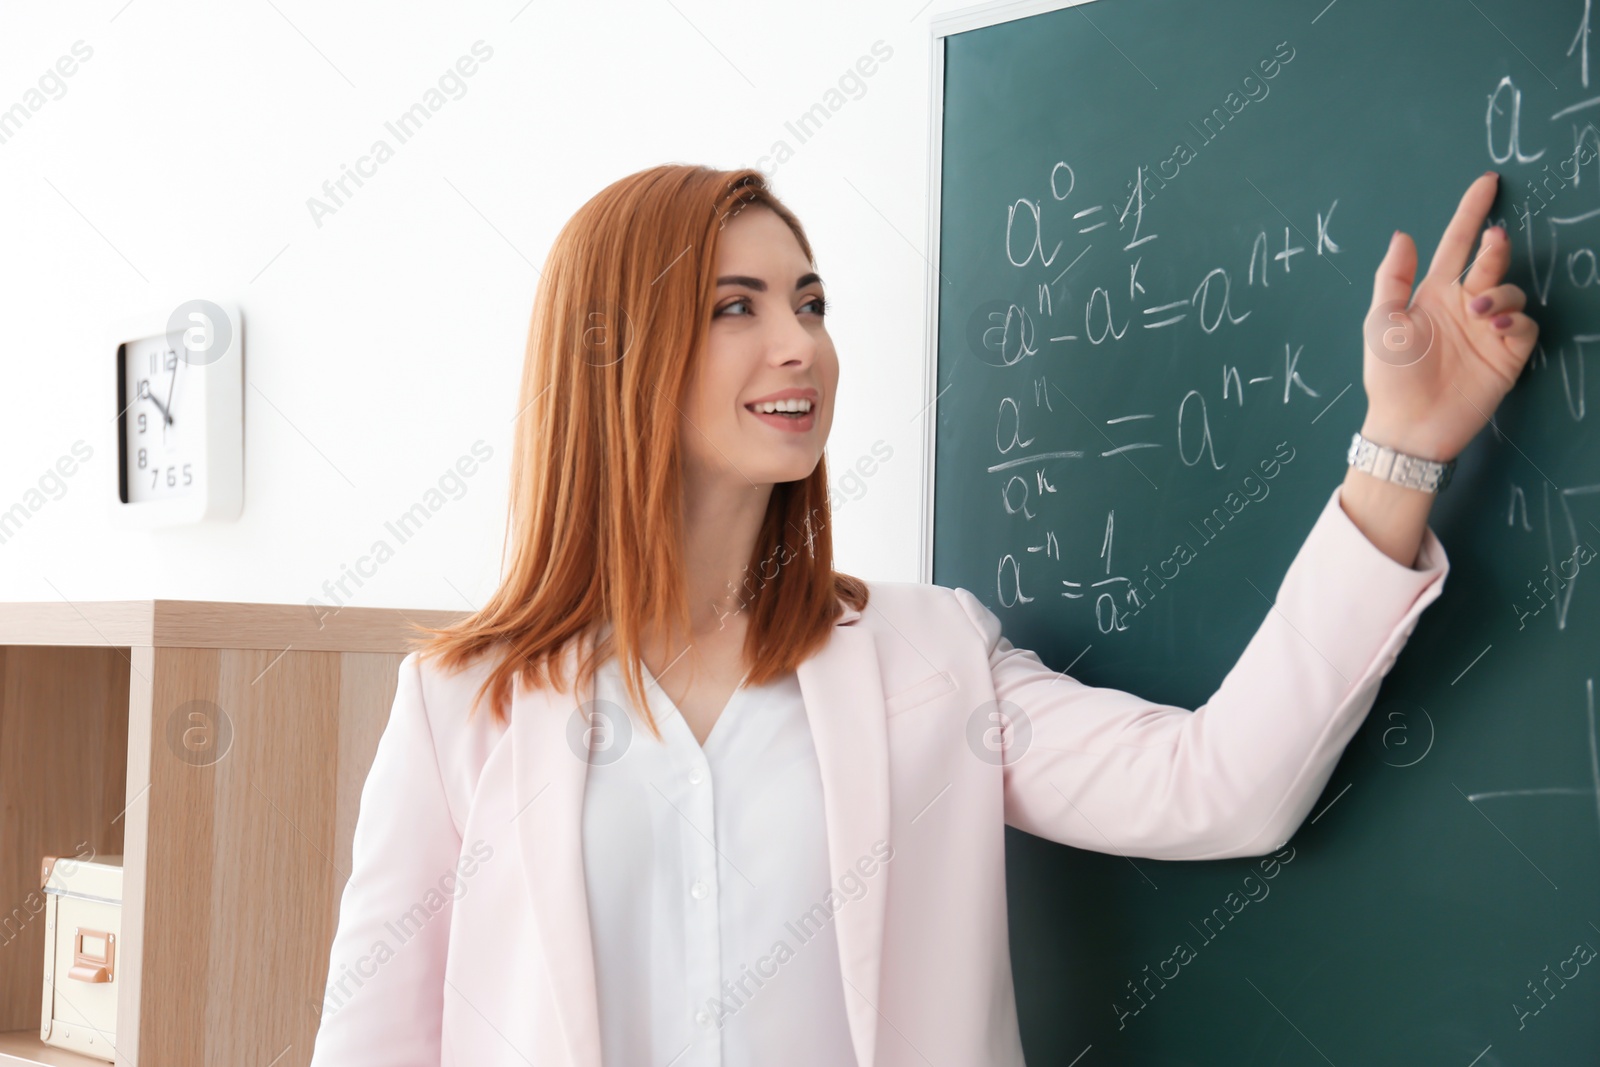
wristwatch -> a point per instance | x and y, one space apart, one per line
1413 472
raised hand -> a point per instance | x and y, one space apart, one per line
1439 360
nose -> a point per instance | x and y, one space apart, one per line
795 343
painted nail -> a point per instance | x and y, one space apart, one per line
1481 304
1502 321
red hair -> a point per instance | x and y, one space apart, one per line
594 530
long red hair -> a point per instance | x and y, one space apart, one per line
594 532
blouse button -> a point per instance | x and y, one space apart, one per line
699 890
695 777
702 1017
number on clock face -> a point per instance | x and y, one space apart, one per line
163 432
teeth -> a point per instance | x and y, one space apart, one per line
772 407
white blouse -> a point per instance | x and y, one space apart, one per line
707 876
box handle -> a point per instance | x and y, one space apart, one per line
87 966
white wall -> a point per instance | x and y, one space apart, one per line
177 162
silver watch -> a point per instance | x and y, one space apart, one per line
1413 472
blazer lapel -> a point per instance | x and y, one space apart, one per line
549 771
843 695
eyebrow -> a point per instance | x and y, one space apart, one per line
760 286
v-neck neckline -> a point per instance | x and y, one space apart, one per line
677 713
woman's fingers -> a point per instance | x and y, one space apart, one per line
1450 259
1391 284
1521 328
1492 261
1515 340
1494 303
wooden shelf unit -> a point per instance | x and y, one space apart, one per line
221 749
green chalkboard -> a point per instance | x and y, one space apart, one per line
1144 342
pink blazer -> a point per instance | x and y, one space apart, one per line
463 934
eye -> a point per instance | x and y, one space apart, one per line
820 301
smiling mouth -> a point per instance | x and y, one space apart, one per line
796 416
792 415
788 422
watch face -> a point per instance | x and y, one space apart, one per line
162 428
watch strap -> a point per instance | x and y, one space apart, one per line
1413 472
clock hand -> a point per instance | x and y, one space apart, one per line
172 381
152 398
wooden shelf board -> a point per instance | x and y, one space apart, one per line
207 624
22 1048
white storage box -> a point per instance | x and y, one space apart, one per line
83 929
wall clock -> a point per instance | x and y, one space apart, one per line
180 417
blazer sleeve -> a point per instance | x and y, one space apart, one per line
384 1002
1102 769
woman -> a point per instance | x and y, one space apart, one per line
680 793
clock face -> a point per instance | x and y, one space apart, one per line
163 422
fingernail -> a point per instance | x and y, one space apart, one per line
1481 304
1502 321
1489 172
